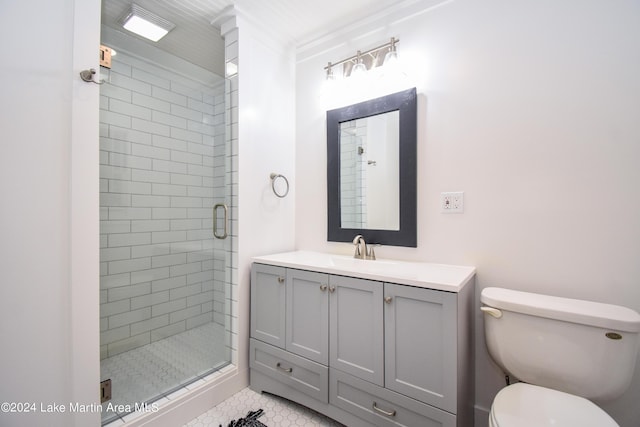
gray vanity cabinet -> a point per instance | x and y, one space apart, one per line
268 304
307 315
420 330
289 329
356 328
364 352
290 310
402 344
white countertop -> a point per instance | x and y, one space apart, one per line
443 277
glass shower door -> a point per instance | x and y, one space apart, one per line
165 269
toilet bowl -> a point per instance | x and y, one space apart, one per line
566 352
526 405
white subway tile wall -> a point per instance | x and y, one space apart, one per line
164 163
353 174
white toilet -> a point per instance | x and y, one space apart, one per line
566 352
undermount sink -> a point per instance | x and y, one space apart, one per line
347 261
435 276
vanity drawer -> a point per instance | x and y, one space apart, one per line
382 407
297 372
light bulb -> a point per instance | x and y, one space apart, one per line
358 69
391 58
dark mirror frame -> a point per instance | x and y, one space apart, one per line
406 103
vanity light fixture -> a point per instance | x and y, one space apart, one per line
392 55
146 24
363 61
359 68
330 75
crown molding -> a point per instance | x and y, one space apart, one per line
380 22
235 17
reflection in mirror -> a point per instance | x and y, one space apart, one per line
371 170
369 180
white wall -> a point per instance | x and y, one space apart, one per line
264 88
531 109
48 247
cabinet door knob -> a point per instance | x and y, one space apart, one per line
388 300
280 279
332 289
323 288
382 411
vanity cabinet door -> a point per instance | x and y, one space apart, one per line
356 327
420 344
307 316
268 304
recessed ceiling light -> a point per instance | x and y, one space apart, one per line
146 24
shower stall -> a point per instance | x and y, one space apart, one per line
166 249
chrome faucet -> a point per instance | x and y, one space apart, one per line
362 250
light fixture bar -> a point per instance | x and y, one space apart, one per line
373 56
146 24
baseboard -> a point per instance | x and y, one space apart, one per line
481 416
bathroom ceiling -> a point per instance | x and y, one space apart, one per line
196 40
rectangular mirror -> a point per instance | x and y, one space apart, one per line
369 179
371 170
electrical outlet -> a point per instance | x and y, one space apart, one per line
452 202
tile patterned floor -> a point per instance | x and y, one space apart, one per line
278 412
156 369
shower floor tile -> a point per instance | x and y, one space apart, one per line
152 371
278 412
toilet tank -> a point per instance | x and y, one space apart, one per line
579 347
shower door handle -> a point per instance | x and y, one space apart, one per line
215 221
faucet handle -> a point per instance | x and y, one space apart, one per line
370 252
357 254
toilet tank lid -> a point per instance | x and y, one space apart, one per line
597 314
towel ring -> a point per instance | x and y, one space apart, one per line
274 177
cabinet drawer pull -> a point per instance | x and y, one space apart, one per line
280 279
388 300
382 411
289 370
323 288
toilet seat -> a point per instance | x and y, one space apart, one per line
526 405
